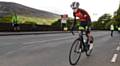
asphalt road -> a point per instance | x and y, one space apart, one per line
53 50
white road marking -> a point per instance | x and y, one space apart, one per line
29 36
118 48
114 58
47 40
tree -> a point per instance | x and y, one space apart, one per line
105 17
117 16
102 21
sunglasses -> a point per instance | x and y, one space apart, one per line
74 8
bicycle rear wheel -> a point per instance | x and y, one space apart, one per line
89 51
75 52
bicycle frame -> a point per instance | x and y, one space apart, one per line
83 40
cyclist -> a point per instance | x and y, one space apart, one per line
85 20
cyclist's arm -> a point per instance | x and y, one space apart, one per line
73 23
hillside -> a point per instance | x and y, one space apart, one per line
9 7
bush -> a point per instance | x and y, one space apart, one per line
30 23
6 19
57 23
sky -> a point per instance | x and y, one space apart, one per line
95 8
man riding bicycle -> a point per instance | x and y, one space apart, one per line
85 20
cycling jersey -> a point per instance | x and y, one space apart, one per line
83 15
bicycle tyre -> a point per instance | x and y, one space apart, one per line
75 44
89 51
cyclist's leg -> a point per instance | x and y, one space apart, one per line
111 33
91 43
88 34
83 25
90 38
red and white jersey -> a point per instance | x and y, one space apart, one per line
82 15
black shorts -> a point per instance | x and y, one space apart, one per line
84 23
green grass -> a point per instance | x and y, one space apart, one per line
30 20
39 21
6 19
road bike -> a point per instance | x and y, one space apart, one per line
79 46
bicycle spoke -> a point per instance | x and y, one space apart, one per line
75 52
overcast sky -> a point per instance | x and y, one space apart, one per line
95 8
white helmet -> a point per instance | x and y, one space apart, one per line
75 5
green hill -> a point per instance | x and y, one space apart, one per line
26 14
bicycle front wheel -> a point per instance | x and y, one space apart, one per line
75 52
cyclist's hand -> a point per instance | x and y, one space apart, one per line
72 30
73 33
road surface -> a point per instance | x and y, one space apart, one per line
53 50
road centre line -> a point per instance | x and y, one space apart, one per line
27 36
118 48
114 58
47 40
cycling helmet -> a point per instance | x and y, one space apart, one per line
75 5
